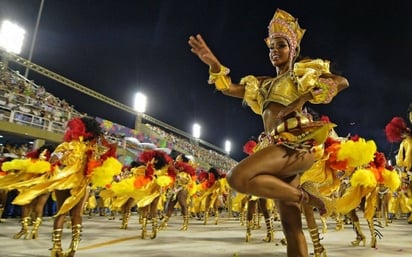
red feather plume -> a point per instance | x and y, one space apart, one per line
249 146
396 129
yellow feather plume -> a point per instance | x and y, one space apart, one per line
103 175
16 164
363 177
38 166
164 181
357 153
391 180
125 186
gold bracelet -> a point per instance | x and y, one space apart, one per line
221 79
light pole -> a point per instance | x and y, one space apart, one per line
140 102
33 41
11 39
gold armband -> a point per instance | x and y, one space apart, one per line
221 79
325 90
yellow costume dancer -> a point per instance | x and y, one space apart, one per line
365 182
35 163
212 186
84 157
150 186
181 191
397 131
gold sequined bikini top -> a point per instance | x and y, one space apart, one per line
283 89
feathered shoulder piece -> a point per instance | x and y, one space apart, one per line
396 129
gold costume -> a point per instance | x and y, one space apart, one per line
71 173
296 131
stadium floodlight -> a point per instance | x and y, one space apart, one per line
11 37
228 146
196 131
140 101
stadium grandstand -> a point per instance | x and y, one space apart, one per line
28 113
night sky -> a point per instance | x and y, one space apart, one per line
120 47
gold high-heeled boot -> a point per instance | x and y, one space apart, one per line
206 217
373 234
68 222
35 230
249 226
324 225
185 223
339 223
318 249
269 231
256 221
125 220
360 237
217 217
154 228
24 228
163 225
242 218
56 250
74 244
144 228
1 213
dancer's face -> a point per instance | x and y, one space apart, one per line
278 51
410 117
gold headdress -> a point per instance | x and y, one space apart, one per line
285 25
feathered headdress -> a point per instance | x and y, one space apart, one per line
285 25
75 130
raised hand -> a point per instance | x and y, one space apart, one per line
201 49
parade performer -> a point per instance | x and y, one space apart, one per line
84 158
398 131
146 186
286 145
366 169
181 191
35 162
213 185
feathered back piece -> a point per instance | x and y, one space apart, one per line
396 129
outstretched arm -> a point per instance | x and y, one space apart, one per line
202 50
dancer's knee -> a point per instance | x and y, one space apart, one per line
236 181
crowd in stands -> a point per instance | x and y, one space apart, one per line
24 102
